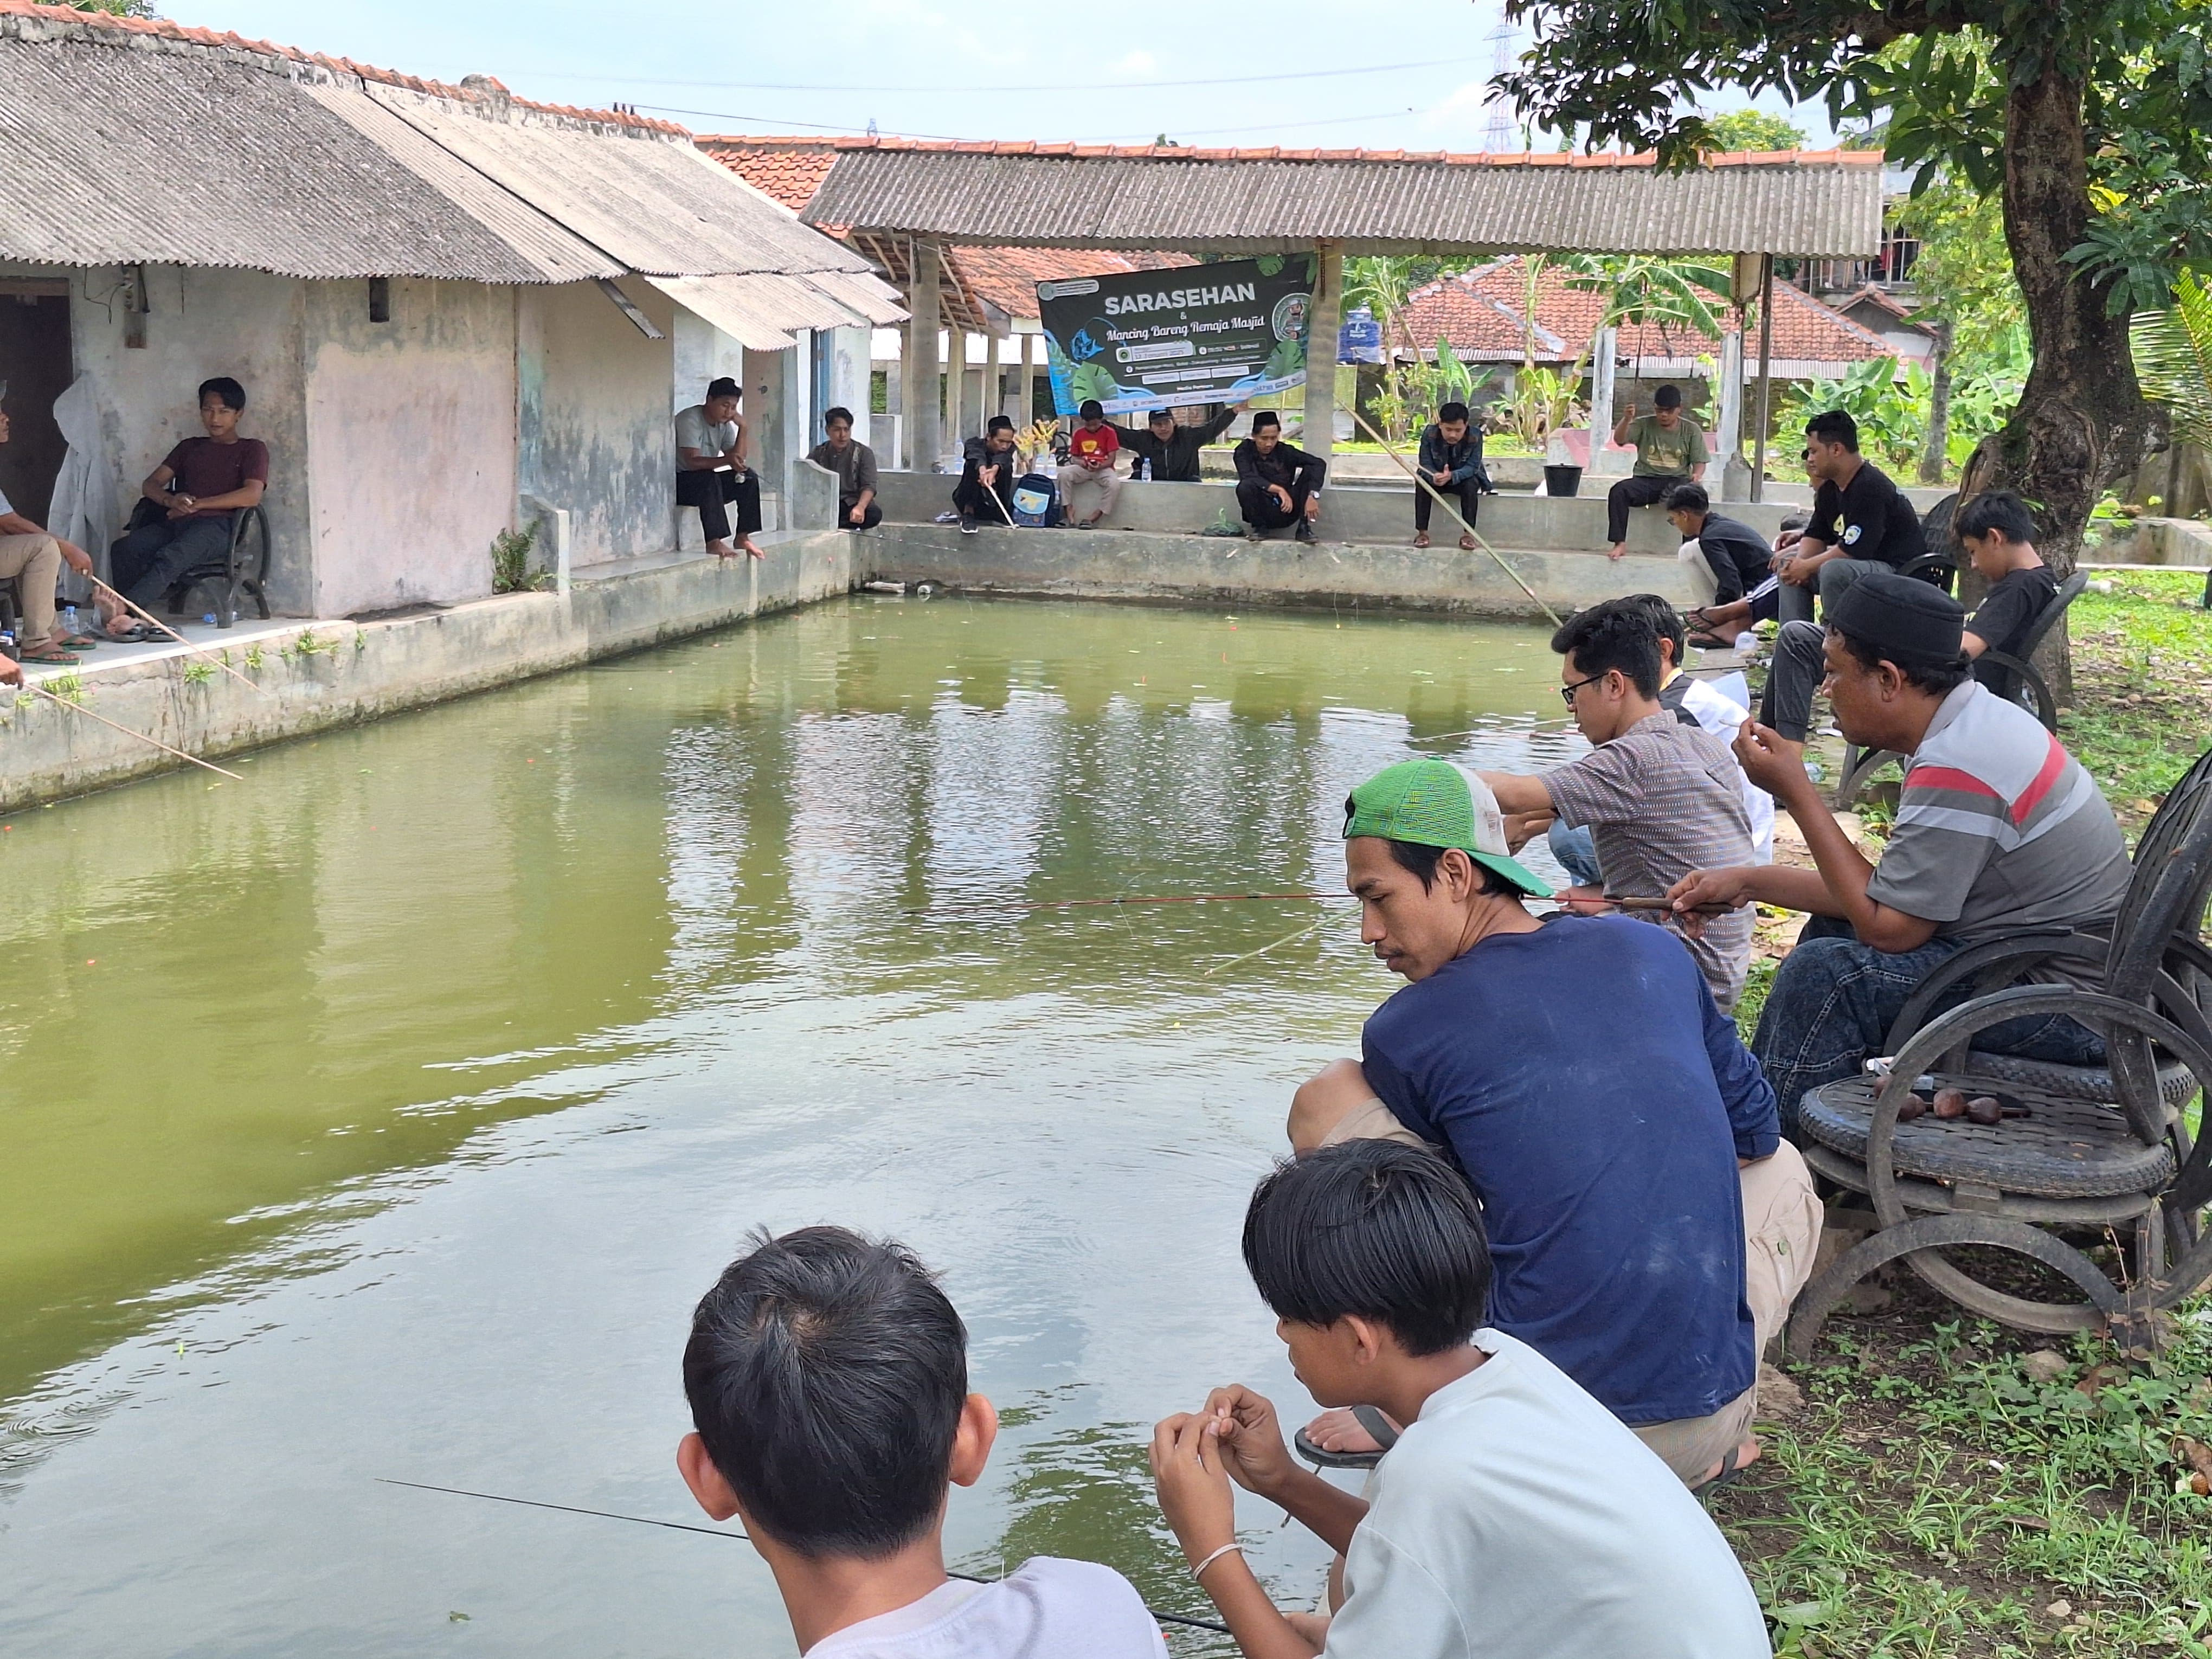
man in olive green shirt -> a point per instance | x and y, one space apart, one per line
1670 449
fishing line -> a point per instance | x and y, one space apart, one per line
1140 898
717 1532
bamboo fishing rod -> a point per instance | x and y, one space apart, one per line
213 657
36 689
1442 501
722 1531
1140 898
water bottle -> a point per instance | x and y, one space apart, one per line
209 619
69 619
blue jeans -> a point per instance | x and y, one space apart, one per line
1576 851
1834 1000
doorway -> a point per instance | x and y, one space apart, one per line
34 363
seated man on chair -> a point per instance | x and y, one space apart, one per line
1997 827
1670 450
32 558
1861 520
1276 484
1999 535
200 487
1648 1227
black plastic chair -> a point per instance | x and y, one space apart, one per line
2103 1147
242 569
2018 681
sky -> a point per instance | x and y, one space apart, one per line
1378 73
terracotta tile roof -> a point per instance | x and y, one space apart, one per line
789 169
1007 276
1480 312
483 88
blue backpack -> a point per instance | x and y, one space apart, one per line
1036 501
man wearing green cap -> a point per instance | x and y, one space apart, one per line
1997 827
1607 1151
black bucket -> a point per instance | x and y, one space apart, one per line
1562 480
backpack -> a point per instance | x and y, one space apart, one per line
1036 501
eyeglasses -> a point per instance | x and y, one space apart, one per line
1567 691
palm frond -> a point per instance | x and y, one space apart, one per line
2172 351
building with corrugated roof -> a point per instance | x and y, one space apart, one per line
455 311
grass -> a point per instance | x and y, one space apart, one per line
1931 1499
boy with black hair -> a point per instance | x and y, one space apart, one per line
1092 448
1450 459
1522 1521
1861 520
200 487
1735 556
1277 484
828 1380
854 464
986 469
1656 793
1997 827
1999 536
1670 449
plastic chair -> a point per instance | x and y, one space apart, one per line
2102 1148
243 568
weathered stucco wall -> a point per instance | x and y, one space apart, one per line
596 439
411 441
704 354
201 323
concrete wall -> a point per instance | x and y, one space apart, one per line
410 427
596 435
703 354
849 367
201 323
325 673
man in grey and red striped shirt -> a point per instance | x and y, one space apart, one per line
1997 827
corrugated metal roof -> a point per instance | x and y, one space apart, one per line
761 311
1828 206
120 157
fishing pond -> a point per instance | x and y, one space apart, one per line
381 1117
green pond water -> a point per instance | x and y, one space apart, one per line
382 1115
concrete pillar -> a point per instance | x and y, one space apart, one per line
924 440
961 421
1322 320
1602 414
1765 416
1735 481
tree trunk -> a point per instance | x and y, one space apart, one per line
1935 458
2081 421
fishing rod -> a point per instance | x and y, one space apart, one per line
38 690
1142 898
722 1531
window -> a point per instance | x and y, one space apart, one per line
380 299
880 391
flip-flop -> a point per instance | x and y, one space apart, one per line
1731 1472
138 634
77 642
48 655
1420 538
1370 1419
1467 544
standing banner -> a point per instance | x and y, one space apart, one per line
1195 334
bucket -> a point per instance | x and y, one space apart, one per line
1562 480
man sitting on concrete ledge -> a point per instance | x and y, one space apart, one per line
1451 459
711 470
854 464
1669 450
1277 484
1167 453
986 471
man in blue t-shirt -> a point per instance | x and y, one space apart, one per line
1649 1226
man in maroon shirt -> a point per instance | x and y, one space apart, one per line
199 486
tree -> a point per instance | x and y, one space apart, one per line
113 8
1753 130
2092 120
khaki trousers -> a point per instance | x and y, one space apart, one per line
1076 483
35 563
1782 1221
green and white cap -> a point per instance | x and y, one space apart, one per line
1434 803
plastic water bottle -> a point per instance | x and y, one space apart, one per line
209 619
1748 641
69 618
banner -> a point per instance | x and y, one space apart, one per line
1195 334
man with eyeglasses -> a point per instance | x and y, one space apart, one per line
1661 797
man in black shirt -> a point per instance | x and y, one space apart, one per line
1167 453
1451 459
1860 521
1997 531
1736 556
1277 484
986 469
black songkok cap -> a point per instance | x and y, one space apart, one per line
725 387
1909 623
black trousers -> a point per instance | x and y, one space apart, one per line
710 491
145 563
970 497
1633 492
1257 502
1464 496
871 518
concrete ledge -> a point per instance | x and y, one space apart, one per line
322 674
1328 575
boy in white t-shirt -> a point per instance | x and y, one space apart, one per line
1514 1518
827 1377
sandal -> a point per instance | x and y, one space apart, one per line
76 641
1731 1472
1370 1419
136 633
47 654
1467 544
1420 538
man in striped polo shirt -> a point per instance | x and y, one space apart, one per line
1997 827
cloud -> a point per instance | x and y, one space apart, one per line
1460 114
1138 63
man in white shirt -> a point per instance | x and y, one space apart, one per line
1514 1518
711 471
828 1378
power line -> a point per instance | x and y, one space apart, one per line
972 91
769 121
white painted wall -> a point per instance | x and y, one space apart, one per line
410 428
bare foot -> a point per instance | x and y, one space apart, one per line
1339 1431
1420 538
753 548
1746 1455
722 549
1617 550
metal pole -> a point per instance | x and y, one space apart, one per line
1766 375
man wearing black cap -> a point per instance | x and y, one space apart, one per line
1997 827
1861 520
987 470
711 470
1670 449
1167 453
